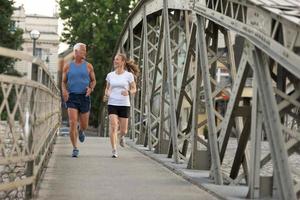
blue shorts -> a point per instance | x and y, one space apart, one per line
80 102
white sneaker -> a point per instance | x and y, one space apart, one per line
114 153
122 141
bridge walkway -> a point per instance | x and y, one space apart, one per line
95 175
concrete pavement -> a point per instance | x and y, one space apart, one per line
95 175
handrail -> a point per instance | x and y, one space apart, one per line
29 122
27 57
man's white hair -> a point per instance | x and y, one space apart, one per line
78 45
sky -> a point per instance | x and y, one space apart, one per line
42 7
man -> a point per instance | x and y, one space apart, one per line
78 81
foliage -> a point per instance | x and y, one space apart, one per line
98 24
11 37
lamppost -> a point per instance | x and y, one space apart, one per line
34 35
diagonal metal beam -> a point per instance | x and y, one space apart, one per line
233 102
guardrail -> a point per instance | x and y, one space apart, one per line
29 121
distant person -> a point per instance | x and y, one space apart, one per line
78 82
120 85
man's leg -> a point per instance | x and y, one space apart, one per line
113 128
123 130
84 113
84 120
73 118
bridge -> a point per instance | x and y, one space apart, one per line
218 96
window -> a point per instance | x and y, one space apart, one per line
39 52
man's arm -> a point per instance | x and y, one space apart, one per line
92 79
64 82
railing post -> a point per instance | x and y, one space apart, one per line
30 167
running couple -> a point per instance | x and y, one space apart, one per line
78 82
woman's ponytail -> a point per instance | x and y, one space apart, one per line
132 67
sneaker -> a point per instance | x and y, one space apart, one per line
75 153
114 154
81 135
122 141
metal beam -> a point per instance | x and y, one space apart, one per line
216 168
195 107
273 126
167 58
233 102
256 133
281 54
146 80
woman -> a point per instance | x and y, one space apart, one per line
120 85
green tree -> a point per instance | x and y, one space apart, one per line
10 36
97 24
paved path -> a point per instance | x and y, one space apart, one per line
95 175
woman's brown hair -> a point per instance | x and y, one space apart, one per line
130 65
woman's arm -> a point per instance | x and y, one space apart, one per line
132 88
106 92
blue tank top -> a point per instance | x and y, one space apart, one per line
78 78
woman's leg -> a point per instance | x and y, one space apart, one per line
113 128
123 119
123 126
123 130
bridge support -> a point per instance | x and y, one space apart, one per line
190 84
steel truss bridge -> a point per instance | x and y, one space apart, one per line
251 119
219 91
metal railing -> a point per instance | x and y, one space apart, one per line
29 121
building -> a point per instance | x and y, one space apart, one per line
46 45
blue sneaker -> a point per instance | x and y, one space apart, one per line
81 135
75 153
